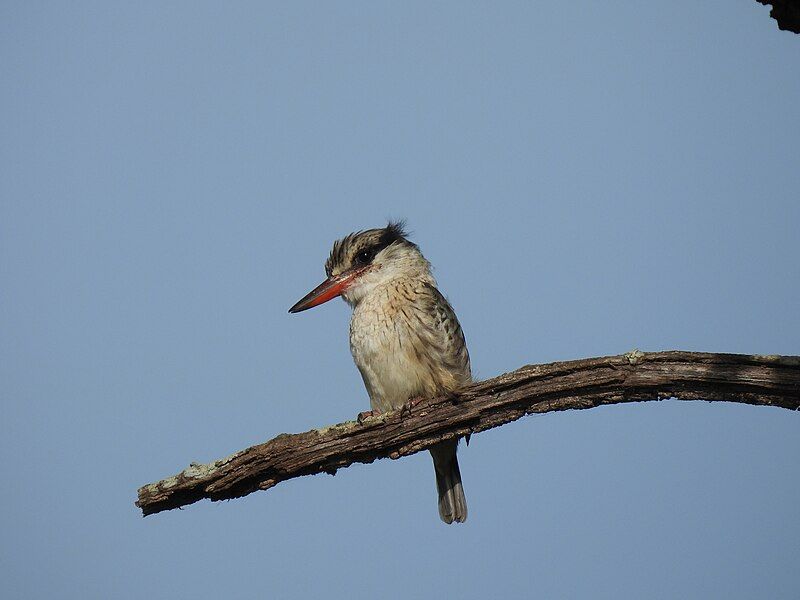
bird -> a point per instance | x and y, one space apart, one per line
405 337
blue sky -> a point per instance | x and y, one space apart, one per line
586 179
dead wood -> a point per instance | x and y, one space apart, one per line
579 384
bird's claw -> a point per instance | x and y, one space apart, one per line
406 408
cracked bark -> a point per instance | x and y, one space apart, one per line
578 384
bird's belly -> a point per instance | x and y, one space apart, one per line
392 368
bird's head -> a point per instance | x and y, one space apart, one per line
365 260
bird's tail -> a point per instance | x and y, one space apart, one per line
452 502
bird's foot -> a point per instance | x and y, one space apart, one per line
406 408
363 416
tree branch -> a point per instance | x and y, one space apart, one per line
786 13
632 377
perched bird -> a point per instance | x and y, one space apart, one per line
404 336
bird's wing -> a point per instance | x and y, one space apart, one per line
444 338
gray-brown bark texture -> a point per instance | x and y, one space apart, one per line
578 384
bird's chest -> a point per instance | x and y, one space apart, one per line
387 353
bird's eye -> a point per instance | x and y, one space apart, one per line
365 257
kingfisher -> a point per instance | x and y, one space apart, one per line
405 337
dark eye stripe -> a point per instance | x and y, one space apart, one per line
342 255
367 255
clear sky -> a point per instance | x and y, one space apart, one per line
586 177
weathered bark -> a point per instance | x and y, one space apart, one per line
786 13
632 377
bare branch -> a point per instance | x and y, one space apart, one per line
786 13
632 377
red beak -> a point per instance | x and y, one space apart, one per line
329 289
